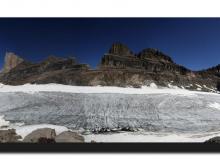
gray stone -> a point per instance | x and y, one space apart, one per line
69 137
8 136
38 134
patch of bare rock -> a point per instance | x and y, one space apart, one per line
43 135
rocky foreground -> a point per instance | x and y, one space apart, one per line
48 135
43 135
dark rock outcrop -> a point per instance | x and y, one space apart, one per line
151 65
213 70
9 136
154 54
119 56
214 140
148 60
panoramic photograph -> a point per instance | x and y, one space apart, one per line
109 80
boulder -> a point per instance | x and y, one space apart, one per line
69 137
9 136
214 140
40 134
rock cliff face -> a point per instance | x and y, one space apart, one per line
119 67
151 60
51 70
11 61
119 56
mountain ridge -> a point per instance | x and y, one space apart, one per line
119 67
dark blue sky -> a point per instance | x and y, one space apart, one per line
194 43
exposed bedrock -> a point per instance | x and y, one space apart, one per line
120 66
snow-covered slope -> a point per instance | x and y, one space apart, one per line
150 108
151 89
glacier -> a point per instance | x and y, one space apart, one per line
156 110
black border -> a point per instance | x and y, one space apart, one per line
109 147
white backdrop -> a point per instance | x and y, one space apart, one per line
109 8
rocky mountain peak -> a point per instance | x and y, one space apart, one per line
213 70
52 59
120 49
154 54
11 61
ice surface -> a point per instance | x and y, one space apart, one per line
153 112
215 105
177 113
150 137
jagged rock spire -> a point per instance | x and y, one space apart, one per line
11 61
